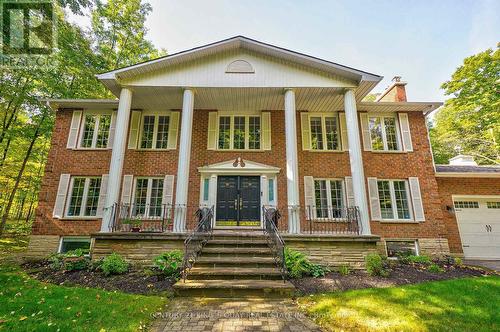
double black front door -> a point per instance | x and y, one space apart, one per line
238 200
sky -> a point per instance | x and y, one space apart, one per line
422 41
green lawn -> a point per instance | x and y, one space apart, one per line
29 305
471 304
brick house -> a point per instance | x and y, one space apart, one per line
240 126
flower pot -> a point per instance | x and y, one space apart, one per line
136 229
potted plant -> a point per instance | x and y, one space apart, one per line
135 224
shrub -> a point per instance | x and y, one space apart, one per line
74 260
434 268
458 261
299 265
114 264
416 259
344 270
170 263
375 265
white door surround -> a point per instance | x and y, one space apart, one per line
238 166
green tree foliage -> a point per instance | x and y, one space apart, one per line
117 38
469 122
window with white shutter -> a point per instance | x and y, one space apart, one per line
83 197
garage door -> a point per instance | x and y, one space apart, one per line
479 225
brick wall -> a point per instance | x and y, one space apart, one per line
462 186
317 164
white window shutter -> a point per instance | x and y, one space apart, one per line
62 191
266 130
168 190
167 195
365 130
309 196
112 129
349 191
306 135
128 182
374 199
173 129
73 130
343 132
135 122
212 131
102 195
405 132
416 197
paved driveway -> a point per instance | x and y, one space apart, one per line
489 264
197 314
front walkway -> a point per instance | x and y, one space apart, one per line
252 314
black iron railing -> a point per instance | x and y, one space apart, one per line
142 217
195 242
332 220
274 240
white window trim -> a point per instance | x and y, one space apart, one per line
393 202
274 202
77 239
148 196
156 114
330 217
231 130
383 116
84 197
323 131
96 129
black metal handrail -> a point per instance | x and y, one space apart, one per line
274 240
195 242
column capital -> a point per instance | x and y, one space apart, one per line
289 89
350 89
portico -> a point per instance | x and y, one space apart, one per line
248 81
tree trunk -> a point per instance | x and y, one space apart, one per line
5 151
19 176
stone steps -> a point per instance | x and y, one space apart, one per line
235 263
231 273
234 288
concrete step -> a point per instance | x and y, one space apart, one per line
235 252
238 235
228 261
237 243
234 288
228 273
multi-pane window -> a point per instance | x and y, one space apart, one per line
239 133
324 132
493 205
384 133
84 197
154 131
328 198
467 205
95 132
148 197
394 199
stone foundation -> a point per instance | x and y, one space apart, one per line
41 246
138 249
334 251
432 247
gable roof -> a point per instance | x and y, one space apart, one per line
239 42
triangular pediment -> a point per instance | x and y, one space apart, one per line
239 166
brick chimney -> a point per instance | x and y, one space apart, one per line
394 92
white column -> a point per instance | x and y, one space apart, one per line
356 159
292 168
181 192
117 157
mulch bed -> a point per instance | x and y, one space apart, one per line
134 282
400 274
